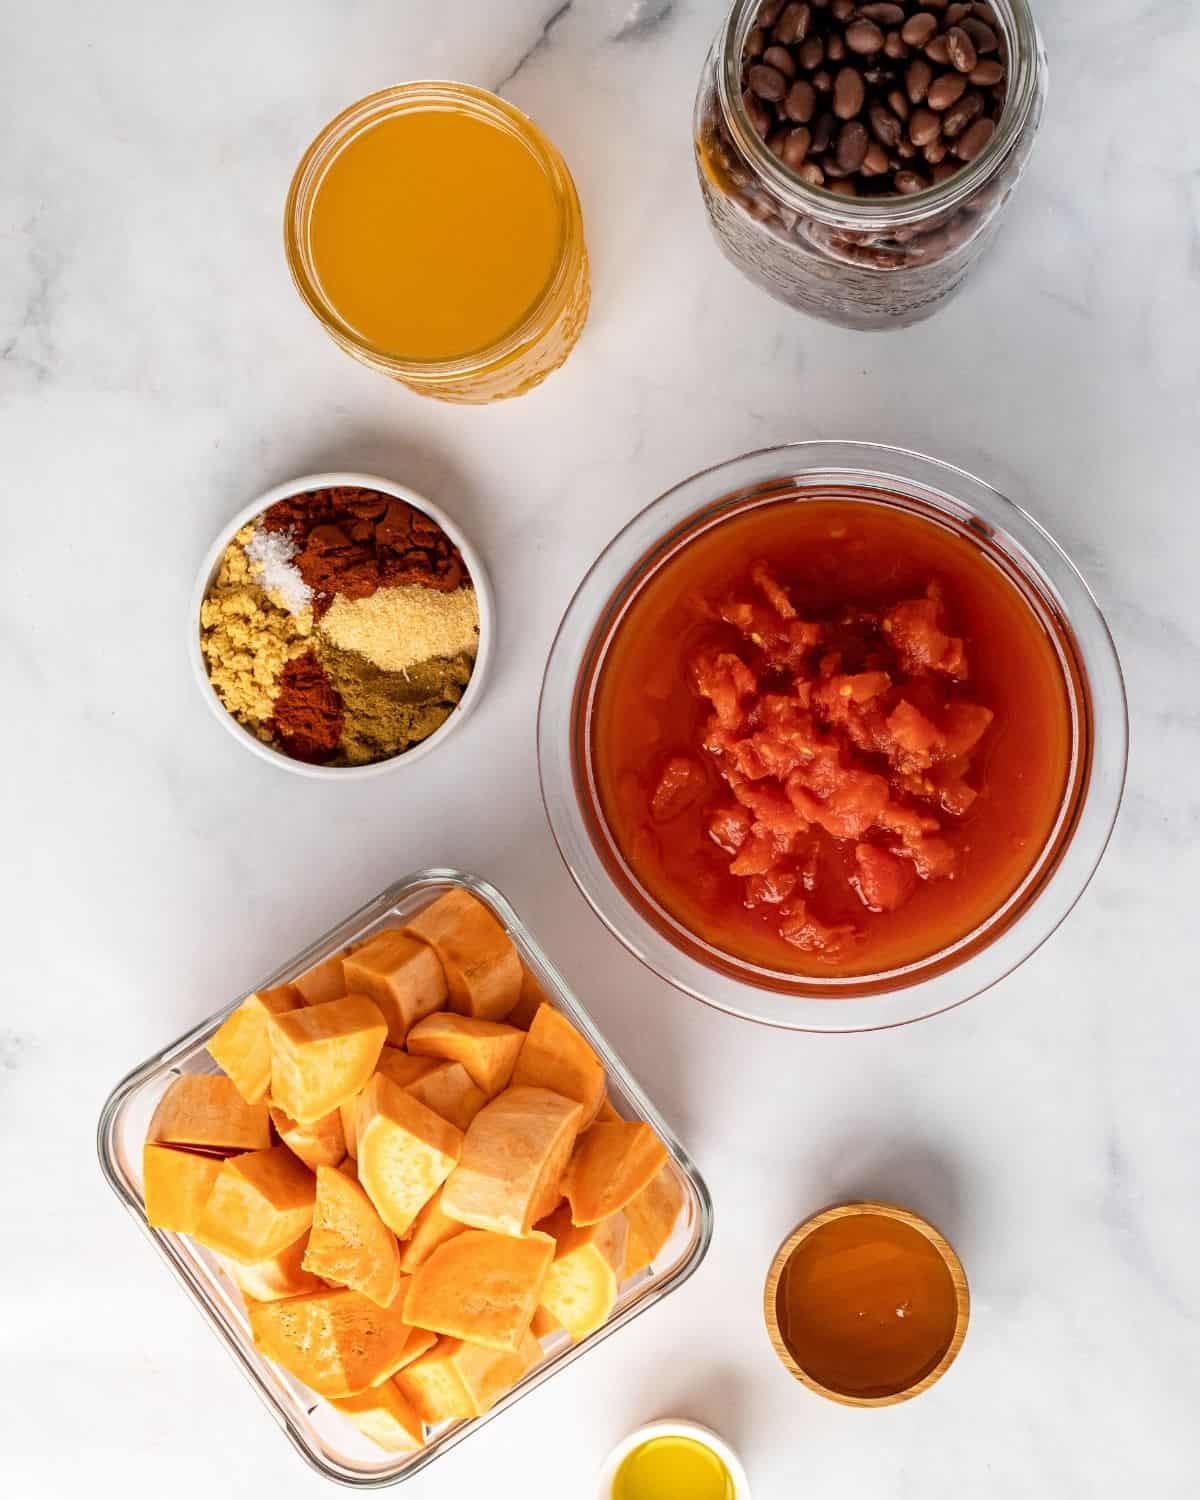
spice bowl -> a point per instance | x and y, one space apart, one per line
866 1304
453 542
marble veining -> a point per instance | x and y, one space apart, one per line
157 371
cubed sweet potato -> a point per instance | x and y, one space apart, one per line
176 1185
405 1151
483 970
337 1342
607 1111
513 1158
581 1286
652 1215
489 1374
259 1204
434 1385
241 1046
403 976
321 1144
323 982
487 1049
481 1287
323 1054
386 1415
206 1111
555 1056
613 1161
447 1089
349 1243
282 1275
394 1063
430 1229
532 996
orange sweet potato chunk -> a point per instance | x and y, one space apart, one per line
488 1374
321 1144
435 1387
555 1056
176 1185
323 1054
337 1342
403 976
607 1111
581 1286
241 1046
487 1049
483 970
448 1091
386 1415
259 1204
349 1243
283 1275
513 1158
652 1215
430 1229
532 996
481 1287
323 982
206 1111
613 1162
405 1152
394 1063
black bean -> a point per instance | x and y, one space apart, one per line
755 43
909 182
960 49
984 38
811 174
972 141
946 90
875 162
934 152
893 46
918 29
780 58
898 103
849 93
768 12
792 25
823 132
956 120
845 188
835 47
767 83
812 52
885 127
796 147
956 12
759 114
984 73
925 126
841 10
883 15
985 13
801 102
938 50
864 37
917 78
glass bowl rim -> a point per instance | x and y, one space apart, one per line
1052 573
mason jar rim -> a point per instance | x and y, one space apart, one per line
369 111
839 212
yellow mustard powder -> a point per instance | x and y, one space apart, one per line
396 628
247 638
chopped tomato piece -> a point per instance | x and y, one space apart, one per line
777 597
729 828
772 809
680 783
854 805
771 889
914 627
883 881
933 858
800 928
725 680
758 855
917 736
964 725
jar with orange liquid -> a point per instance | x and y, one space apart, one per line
436 234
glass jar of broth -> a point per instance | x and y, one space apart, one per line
436 234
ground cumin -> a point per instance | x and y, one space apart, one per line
248 639
385 713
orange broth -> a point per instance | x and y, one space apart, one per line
946 838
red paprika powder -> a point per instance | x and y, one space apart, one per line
308 718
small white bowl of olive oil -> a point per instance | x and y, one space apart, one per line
671 1460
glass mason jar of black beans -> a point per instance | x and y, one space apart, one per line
855 158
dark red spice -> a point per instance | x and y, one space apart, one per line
308 716
352 541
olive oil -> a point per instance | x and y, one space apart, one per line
673 1468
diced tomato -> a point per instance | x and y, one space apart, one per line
776 597
953 792
963 726
772 809
854 805
933 858
914 628
680 783
729 827
800 928
771 889
915 736
726 681
758 855
836 693
906 821
883 882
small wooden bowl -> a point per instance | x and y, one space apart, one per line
955 1335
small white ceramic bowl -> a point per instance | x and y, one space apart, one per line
483 592
668 1427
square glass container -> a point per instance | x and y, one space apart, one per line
323 1437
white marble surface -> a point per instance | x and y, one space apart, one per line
156 370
